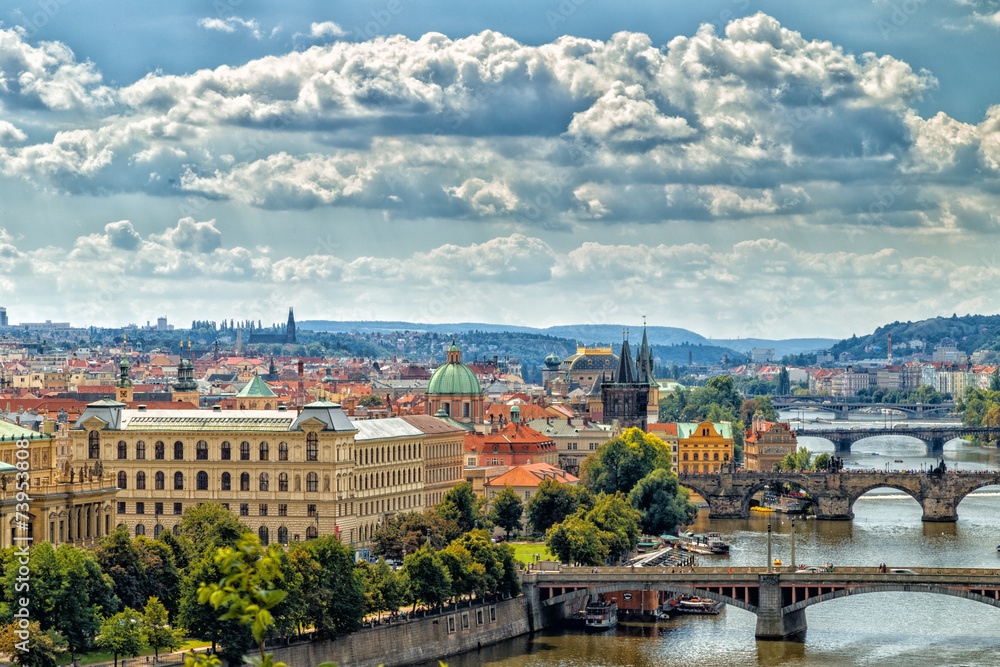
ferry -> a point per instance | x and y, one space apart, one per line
695 605
601 615
706 545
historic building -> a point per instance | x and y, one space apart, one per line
513 444
575 439
704 447
767 443
455 389
185 390
631 397
524 480
442 453
586 366
282 337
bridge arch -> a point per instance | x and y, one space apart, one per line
856 495
633 586
891 588
964 494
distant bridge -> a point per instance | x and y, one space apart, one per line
728 494
842 408
933 436
778 598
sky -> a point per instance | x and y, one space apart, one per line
737 168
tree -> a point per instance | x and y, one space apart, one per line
333 594
663 504
822 462
464 507
429 579
163 579
405 533
577 540
467 576
211 526
614 515
122 634
370 401
156 629
554 501
784 384
384 588
40 649
201 620
799 460
621 462
507 510
121 560
995 379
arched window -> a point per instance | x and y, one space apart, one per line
201 481
94 445
282 451
158 450
312 482
158 481
140 450
366 457
312 447
157 530
176 529
226 482
201 451
283 535
262 534
244 451
226 451
122 479
282 481
122 449
178 451
140 480
312 533
264 482
178 481
265 451
245 482
140 529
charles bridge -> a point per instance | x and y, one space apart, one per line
728 494
842 408
778 597
934 437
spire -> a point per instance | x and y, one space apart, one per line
644 361
626 372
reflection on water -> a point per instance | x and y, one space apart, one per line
872 629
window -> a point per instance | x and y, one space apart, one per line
244 451
226 482
94 445
282 509
685 456
121 507
122 479
201 481
245 481
312 482
312 533
140 530
283 451
158 481
262 534
716 456
140 508
593 445
264 483
225 506
201 451
282 481
158 508
157 530
178 481
140 480
311 510
140 450
122 449
244 509
226 451
283 535
178 451
262 509
178 509
158 450
312 447
265 451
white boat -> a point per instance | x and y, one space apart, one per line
601 615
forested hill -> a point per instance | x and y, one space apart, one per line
968 333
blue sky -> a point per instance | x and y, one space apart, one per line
738 168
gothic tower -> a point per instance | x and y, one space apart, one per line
625 398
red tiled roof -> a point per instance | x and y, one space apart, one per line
532 474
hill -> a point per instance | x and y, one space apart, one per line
968 333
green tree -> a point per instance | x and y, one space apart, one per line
663 504
554 501
122 561
211 526
384 588
822 462
43 648
163 579
621 462
122 634
408 531
370 401
464 507
429 580
506 510
577 540
467 576
614 515
784 384
995 379
156 628
200 619
799 460
333 596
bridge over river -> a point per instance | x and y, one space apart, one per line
779 598
932 436
842 408
728 494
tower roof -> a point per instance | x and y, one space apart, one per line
453 378
626 372
256 388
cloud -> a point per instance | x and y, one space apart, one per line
326 29
231 24
9 134
189 235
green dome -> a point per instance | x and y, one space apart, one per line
552 361
453 379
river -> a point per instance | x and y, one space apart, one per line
873 629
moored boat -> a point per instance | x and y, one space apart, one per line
696 605
601 615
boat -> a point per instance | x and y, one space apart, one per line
706 545
694 605
601 615
898 461
789 503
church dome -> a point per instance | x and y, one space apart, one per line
453 378
552 361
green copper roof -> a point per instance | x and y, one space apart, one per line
453 379
9 431
256 388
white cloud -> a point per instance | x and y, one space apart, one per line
231 24
326 29
9 134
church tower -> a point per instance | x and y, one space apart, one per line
290 327
186 388
123 387
644 363
625 398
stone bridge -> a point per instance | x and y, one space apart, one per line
778 598
933 437
728 494
841 408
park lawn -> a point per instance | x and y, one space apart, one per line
103 656
526 551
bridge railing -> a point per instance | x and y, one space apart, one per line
728 573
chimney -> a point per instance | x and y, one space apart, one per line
301 390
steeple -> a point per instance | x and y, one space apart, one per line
626 372
644 361
290 327
123 388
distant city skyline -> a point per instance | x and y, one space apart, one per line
739 169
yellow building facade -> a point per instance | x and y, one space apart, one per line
704 448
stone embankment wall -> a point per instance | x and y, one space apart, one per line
432 638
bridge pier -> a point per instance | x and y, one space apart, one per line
772 622
833 507
842 444
935 445
726 506
940 510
